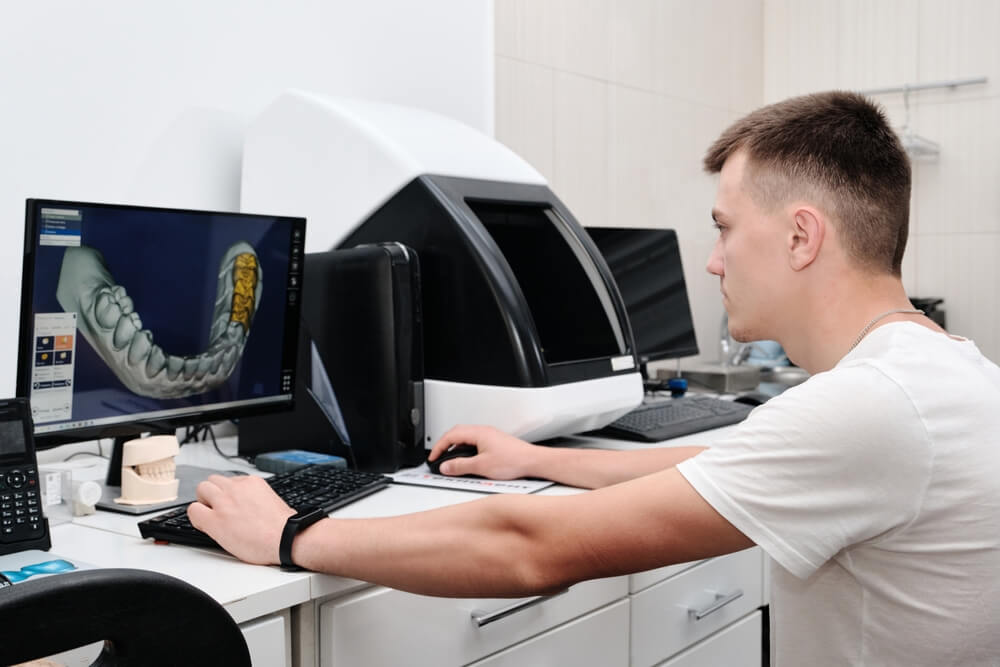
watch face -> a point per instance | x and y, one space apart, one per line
309 514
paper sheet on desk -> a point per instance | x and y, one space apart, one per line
422 476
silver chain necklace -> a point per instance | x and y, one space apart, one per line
868 327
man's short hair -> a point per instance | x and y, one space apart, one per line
838 149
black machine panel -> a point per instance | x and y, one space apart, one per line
514 291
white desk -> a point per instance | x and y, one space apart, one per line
308 618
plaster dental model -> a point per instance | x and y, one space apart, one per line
109 322
148 470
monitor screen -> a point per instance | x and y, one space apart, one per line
646 265
137 319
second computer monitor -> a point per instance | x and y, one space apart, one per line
646 265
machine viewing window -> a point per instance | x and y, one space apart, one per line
136 319
568 300
646 264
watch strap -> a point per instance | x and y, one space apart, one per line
293 526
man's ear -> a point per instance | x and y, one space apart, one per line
806 238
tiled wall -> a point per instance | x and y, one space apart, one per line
955 211
615 102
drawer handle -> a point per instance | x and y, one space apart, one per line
481 618
721 600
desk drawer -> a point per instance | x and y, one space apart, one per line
599 638
381 626
675 614
739 645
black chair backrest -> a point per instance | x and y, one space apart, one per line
145 618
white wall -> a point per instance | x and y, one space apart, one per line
955 209
616 101
143 102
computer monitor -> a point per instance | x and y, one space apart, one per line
141 320
646 265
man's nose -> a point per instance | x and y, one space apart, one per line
715 265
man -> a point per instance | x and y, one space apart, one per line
874 486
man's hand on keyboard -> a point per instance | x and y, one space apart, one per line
243 514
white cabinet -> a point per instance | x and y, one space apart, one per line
599 638
381 626
269 640
738 645
698 614
671 616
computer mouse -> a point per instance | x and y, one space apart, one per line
454 452
751 398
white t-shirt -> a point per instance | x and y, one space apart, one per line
875 487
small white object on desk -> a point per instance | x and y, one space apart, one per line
84 496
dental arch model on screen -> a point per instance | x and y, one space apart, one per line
107 319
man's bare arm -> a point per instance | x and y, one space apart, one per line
507 546
502 456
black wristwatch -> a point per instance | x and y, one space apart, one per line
293 526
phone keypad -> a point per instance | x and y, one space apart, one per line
20 504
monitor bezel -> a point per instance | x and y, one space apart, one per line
200 414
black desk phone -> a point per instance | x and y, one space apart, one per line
22 525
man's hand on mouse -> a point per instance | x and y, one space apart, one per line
243 514
499 455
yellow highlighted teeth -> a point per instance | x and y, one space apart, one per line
244 286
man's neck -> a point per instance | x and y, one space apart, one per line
829 328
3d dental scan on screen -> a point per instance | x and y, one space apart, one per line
139 320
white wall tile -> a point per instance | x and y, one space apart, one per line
877 43
506 17
959 191
656 146
586 45
958 40
525 108
581 133
568 35
634 43
636 158
801 47
746 56
692 56
962 268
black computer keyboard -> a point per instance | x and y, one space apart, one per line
320 485
670 418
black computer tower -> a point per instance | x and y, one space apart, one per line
359 376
